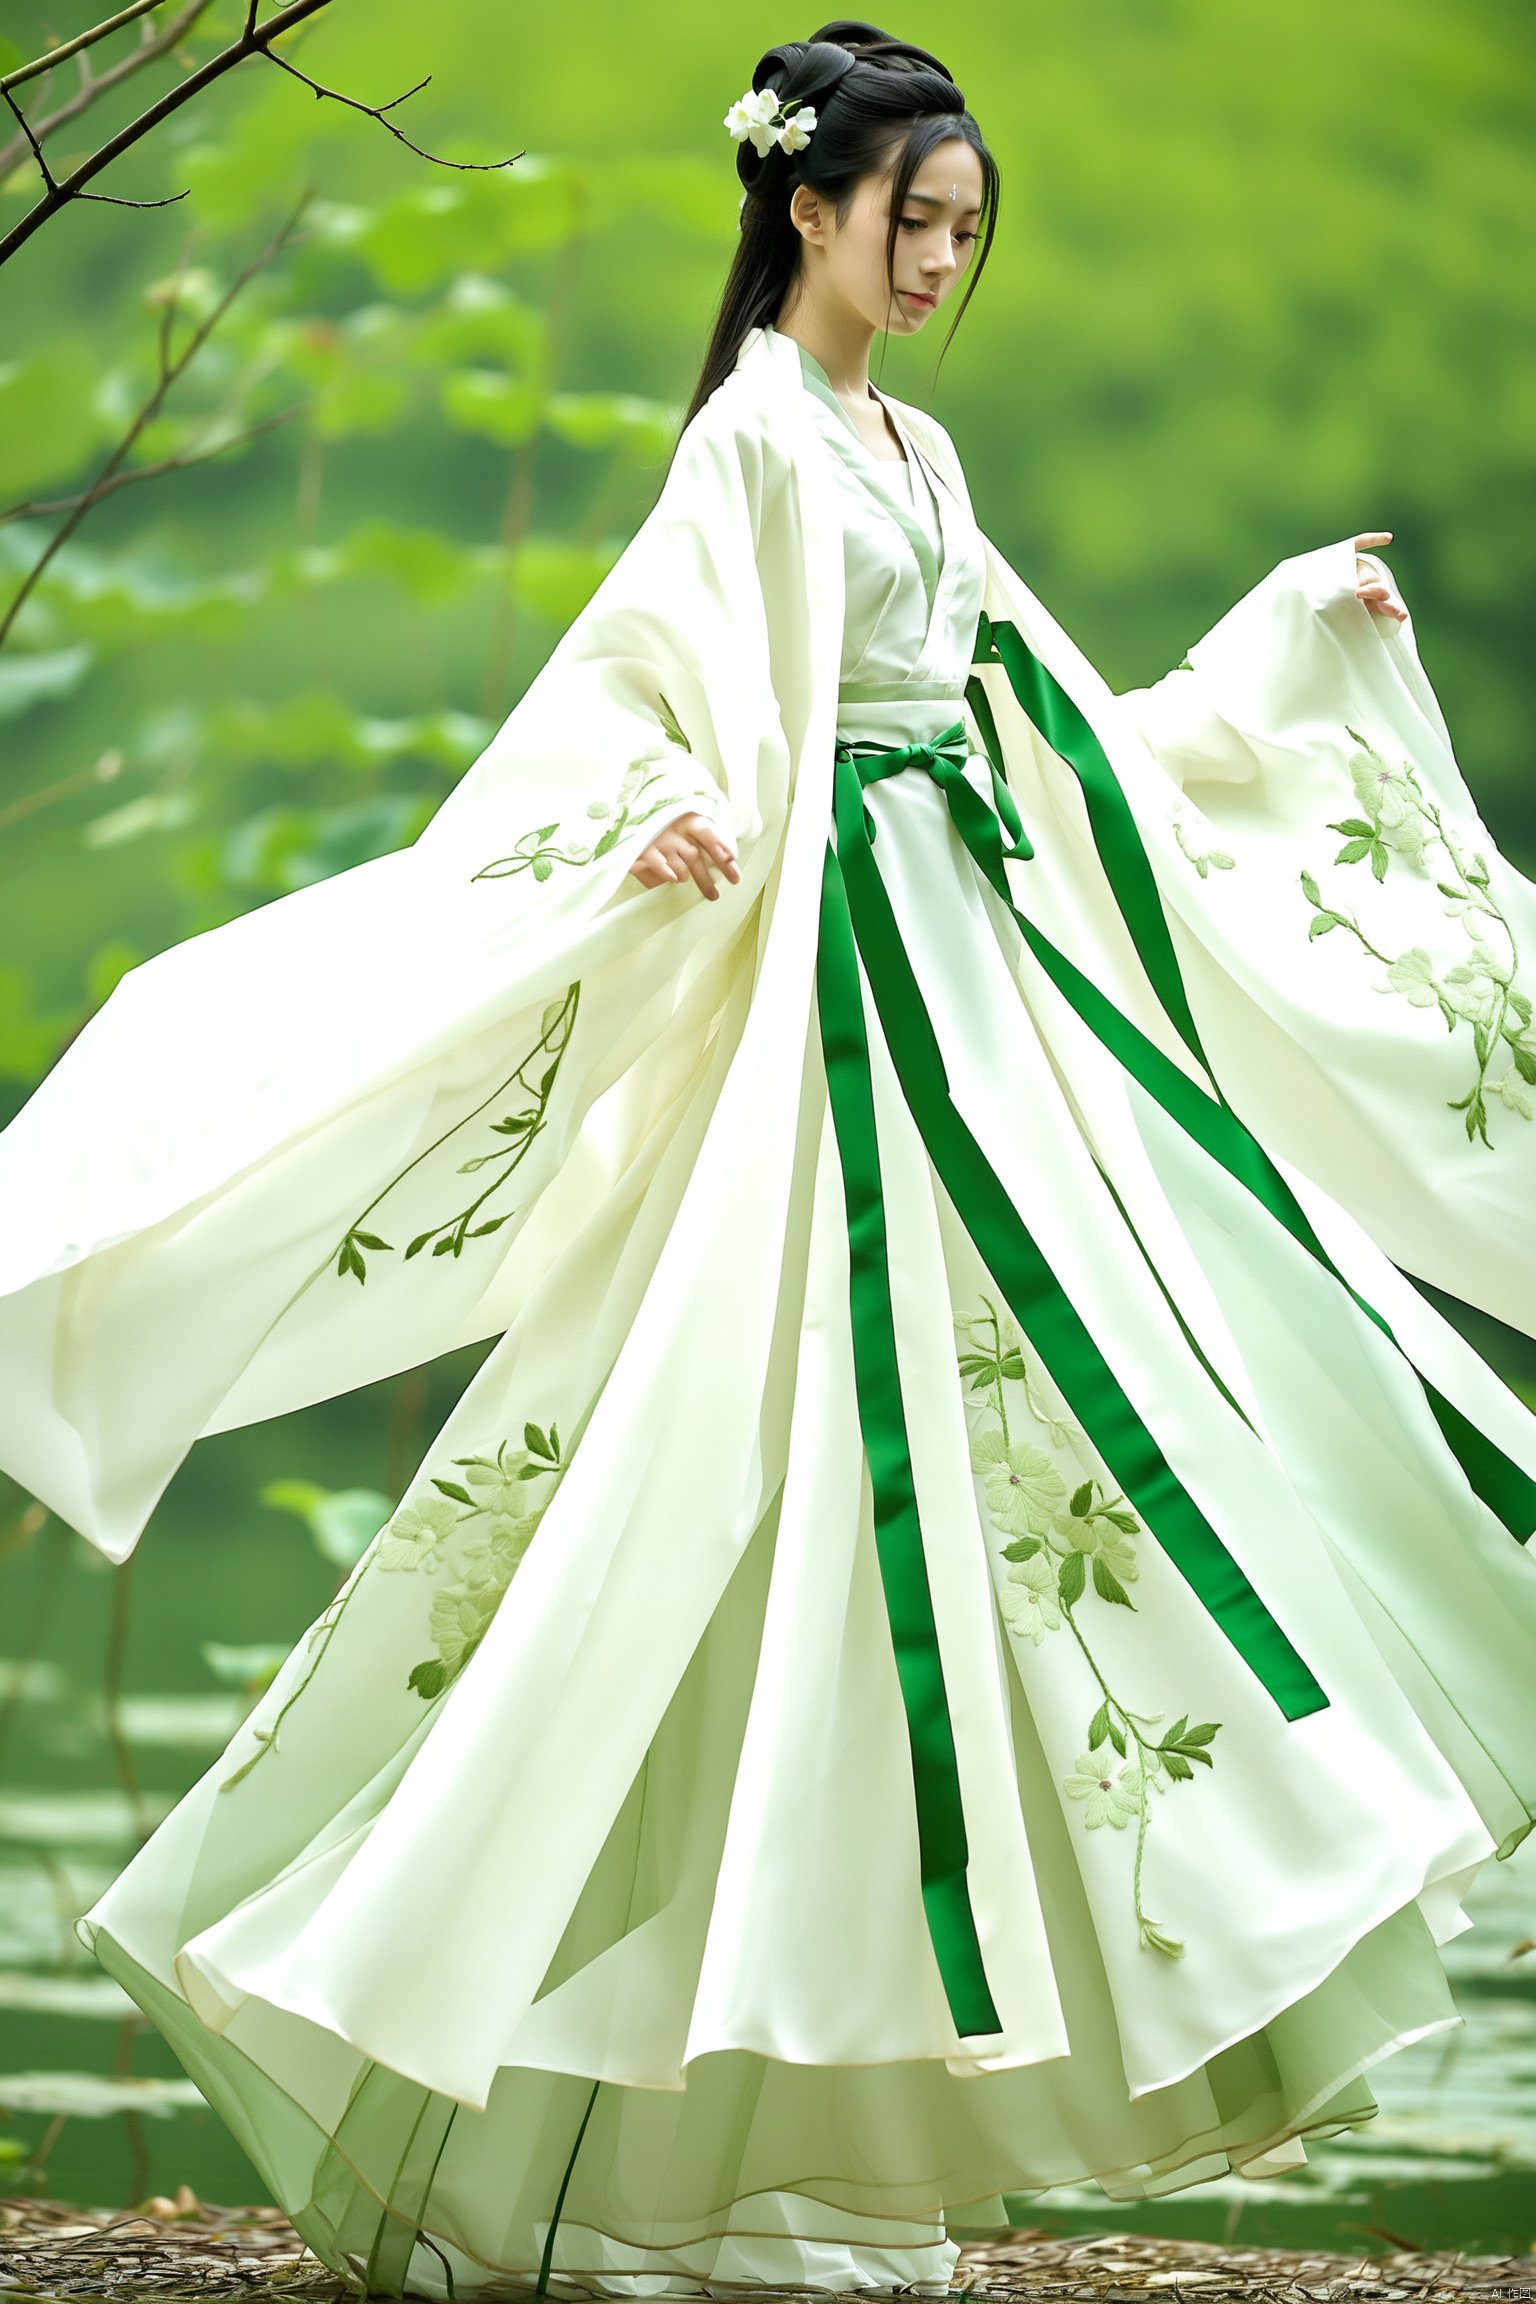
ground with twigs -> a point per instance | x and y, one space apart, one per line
188 2248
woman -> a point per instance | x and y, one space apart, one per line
973 1629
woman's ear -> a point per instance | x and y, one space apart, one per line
806 214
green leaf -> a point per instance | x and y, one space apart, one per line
1022 1548
557 579
542 867
1178 1767
1379 859
1320 924
1082 1500
1310 888
534 1440
452 1489
492 1224
1108 1585
1117 1737
251 1668
1525 1064
342 1521
493 405
92 2096
370 1240
1355 828
1126 1522
643 430
40 679
1070 1578
361 400
429 1679
1353 850
417 1245
1098 1728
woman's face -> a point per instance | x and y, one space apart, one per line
934 240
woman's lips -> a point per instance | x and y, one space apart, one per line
915 296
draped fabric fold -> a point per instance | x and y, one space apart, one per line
965 1634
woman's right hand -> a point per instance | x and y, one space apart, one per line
690 844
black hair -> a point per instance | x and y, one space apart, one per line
881 105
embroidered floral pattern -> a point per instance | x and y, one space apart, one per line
645 790
521 1127
479 1527
497 1496
1204 860
1063 1534
1477 992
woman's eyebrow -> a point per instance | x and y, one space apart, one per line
932 200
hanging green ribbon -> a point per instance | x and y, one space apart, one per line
943 1853
1507 1490
1051 711
1010 1251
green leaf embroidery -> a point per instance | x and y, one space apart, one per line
1398 821
646 788
1204 860
1058 1539
479 1528
519 1130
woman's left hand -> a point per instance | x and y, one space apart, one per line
1376 592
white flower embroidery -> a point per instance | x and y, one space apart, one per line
1106 1796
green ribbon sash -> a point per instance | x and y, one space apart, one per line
942 1849
1202 1111
856 922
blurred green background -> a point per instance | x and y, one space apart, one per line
1262 279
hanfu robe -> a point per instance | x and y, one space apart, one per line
974 1628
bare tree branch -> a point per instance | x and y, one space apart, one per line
204 452
378 111
81 41
255 39
56 192
94 85
171 365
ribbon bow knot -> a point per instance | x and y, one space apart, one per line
946 758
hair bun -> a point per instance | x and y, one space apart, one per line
867 44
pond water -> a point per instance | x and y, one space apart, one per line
94 2108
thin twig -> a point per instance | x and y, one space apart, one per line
44 1598
378 111
112 1697
56 194
102 771
82 40
254 40
202 454
171 367
96 84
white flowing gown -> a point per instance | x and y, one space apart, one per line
565 1906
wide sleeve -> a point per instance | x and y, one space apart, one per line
1361 957
294 1154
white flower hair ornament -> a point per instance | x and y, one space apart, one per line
757 115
